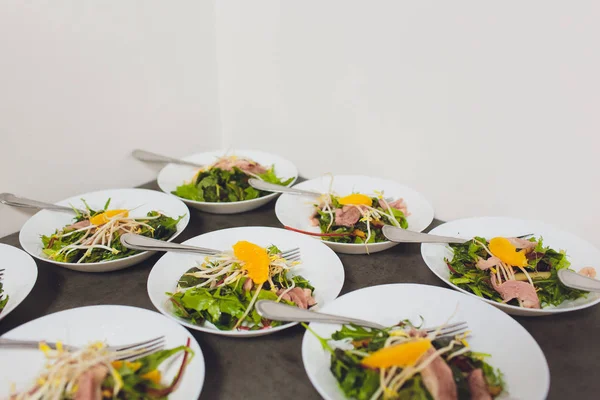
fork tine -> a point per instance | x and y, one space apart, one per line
289 252
139 344
435 328
453 332
295 258
143 352
458 332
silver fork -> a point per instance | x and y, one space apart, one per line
282 312
143 243
399 235
131 351
147 156
271 187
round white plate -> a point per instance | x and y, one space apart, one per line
580 253
141 200
295 211
320 266
513 350
20 274
117 325
173 175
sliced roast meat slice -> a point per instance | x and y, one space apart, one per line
347 216
438 379
301 297
487 264
477 386
89 384
523 291
522 243
78 225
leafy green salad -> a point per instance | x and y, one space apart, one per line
515 271
227 181
223 289
3 298
94 236
403 362
357 218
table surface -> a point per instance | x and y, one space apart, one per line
270 366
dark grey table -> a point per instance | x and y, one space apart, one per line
270 367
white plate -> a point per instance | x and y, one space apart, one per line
173 175
580 253
512 348
142 200
20 274
320 266
295 211
117 325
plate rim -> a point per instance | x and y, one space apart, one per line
235 334
533 312
184 221
361 176
307 334
250 202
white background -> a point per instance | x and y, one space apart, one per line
487 108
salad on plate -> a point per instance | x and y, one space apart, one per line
95 372
357 218
94 234
514 271
404 362
223 289
226 180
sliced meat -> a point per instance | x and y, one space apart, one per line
78 225
397 204
522 243
590 272
438 379
248 285
89 384
251 166
228 163
478 386
301 297
413 332
487 264
310 300
347 216
522 291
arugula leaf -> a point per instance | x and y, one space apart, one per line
153 361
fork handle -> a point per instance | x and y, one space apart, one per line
11 200
144 155
282 312
271 187
143 243
28 344
399 235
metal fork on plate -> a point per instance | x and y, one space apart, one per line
143 243
130 352
282 312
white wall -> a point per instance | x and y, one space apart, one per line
489 108
84 82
